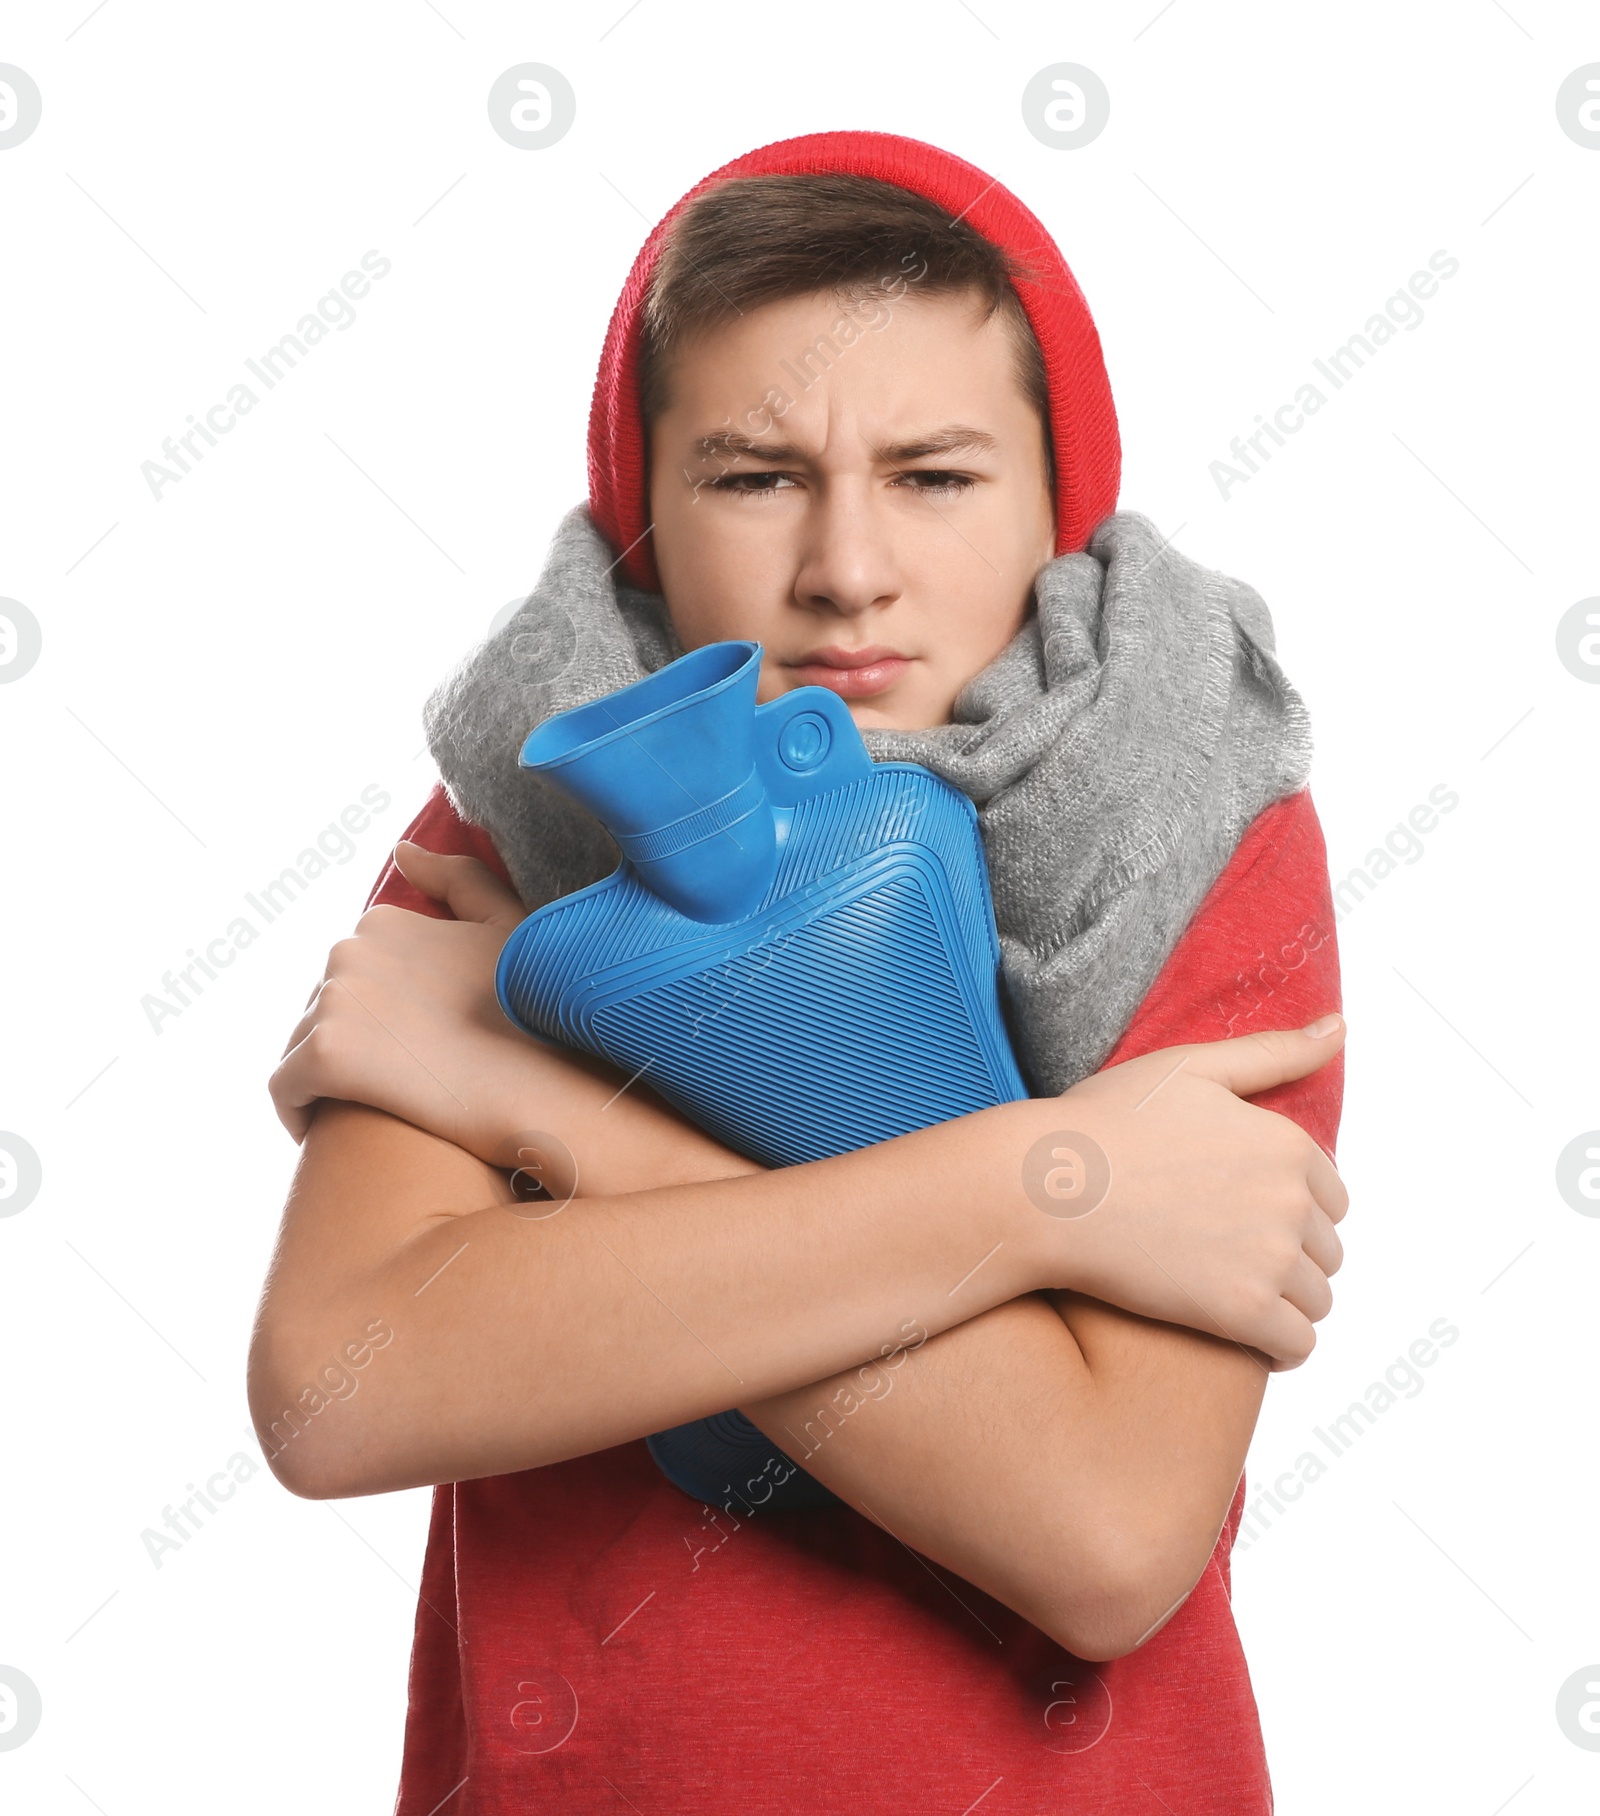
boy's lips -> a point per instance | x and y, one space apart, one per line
853 673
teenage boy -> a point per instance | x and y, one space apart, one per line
1069 1401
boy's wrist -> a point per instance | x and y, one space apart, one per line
1049 1176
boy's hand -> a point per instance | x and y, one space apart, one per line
1207 1211
406 1018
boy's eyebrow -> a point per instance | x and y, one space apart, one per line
956 438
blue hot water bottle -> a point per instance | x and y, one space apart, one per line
798 949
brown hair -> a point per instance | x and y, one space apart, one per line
755 240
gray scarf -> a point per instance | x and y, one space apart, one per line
1116 750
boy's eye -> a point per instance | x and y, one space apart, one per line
937 482
751 482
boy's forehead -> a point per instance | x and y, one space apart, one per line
835 325
933 372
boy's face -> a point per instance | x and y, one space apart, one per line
887 517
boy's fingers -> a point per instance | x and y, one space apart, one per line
1322 1244
302 1027
291 1099
1291 1338
1326 1186
466 885
1253 1063
424 869
1308 1290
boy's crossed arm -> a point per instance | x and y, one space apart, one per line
1074 1460
1076 1466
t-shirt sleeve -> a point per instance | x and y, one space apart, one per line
1260 953
438 827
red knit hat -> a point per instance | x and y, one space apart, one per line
1083 419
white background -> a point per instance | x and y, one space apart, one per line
224 670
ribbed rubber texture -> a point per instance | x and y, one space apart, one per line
767 1040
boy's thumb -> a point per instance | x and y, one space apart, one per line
1252 1063
466 885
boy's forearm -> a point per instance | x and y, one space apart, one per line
1072 1460
522 1338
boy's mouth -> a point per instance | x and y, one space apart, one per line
855 674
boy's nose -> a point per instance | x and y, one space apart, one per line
847 560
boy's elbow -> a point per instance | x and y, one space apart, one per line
302 1473
1097 1629
313 1470
311 1439
1112 1630
1120 1599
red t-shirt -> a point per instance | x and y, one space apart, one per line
587 1639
